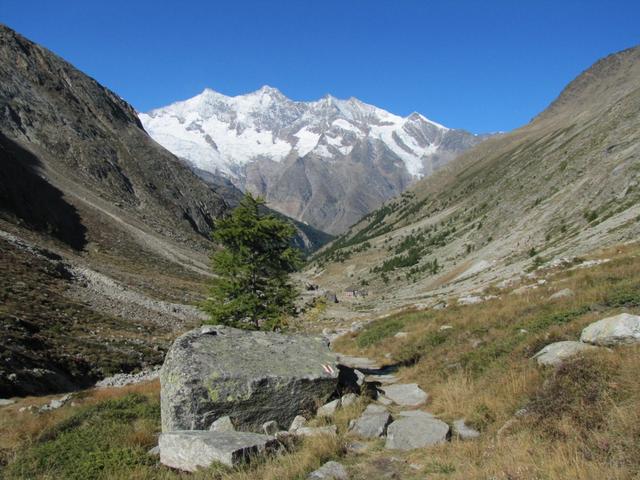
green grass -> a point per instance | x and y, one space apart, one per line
413 351
378 331
95 441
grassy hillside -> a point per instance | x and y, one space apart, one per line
561 186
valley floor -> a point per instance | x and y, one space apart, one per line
576 421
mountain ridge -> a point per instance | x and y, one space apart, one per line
558 187
300 155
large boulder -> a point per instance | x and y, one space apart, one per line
555 353
190 450
253 377
618 330
416 429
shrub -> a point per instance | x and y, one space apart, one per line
578 390
590 215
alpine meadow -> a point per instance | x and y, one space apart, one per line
292 240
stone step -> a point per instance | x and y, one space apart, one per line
190 450
359 363
405 394
416 429
381 378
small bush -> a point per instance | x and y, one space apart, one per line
578 391
547 319
625 295
590 215
481 416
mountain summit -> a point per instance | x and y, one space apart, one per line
326 162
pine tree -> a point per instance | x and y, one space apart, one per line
252 288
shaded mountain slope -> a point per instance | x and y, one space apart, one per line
86 133
104 234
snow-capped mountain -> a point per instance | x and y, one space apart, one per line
326 162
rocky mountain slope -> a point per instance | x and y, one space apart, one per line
90 207
563 185
104 234
326 163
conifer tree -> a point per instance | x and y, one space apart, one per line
252 288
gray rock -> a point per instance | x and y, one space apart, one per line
314 431
328 409
270 428
618 330
154 452
401 335
56 403
253 377
372 423
223 424
564 293
6 401
416 413
298 422
360 363
123 379
373 408
384 400
469 300
405 394
555 353
192 449
464 432
329 471
416 430
348 399
386 378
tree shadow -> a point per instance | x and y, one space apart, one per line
27 197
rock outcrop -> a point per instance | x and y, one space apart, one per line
252 377
555 353
618 330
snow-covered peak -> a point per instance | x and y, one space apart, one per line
417 117
220 133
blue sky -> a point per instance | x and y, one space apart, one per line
484 66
